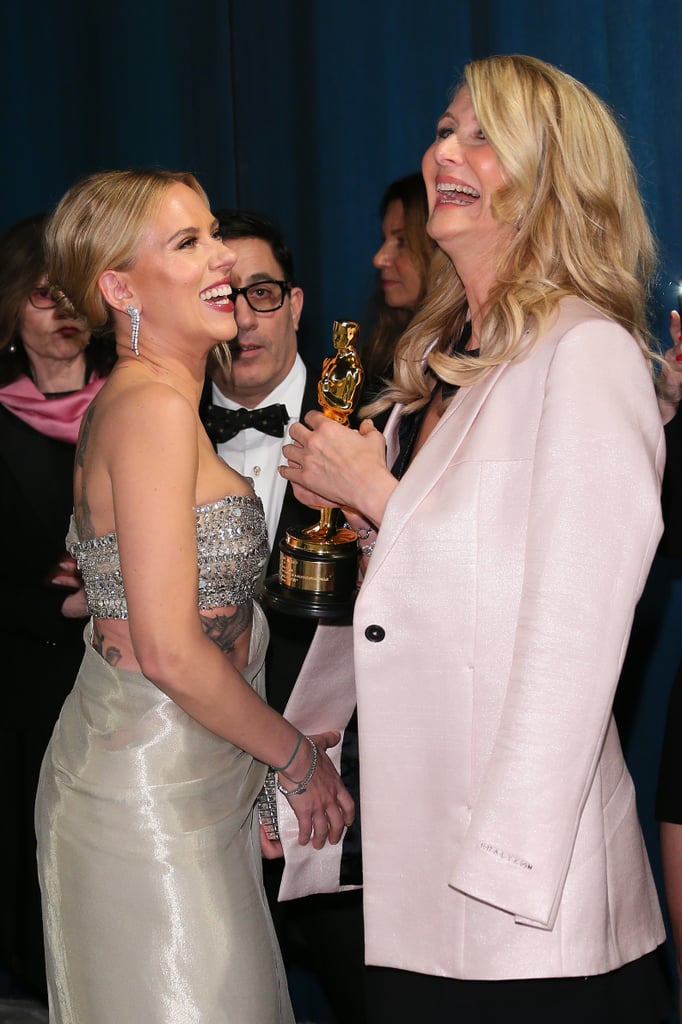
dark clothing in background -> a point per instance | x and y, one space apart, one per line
41 652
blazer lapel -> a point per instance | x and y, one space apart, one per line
431 460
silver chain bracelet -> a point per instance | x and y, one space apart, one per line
364 534
305 781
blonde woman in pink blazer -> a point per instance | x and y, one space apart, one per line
505 875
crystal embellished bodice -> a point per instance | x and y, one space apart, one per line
232 548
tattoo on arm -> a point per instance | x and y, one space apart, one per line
112 655
225 630
82 510
83 517
84 434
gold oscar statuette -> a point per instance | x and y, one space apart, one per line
318 564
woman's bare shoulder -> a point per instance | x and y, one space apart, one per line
144 395
142 412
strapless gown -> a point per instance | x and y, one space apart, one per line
150 863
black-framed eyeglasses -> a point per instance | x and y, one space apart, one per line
263 296
41 297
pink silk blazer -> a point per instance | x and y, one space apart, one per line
500 831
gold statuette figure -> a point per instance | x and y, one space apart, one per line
318 564
339 386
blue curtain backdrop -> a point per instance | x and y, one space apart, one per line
305 110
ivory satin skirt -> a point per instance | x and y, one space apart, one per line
149 861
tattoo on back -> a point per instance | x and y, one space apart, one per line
111 654
225 630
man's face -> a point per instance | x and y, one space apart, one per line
265 347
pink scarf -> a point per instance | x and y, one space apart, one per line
58 417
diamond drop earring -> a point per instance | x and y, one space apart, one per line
134 315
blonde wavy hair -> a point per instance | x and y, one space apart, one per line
98 225
571 193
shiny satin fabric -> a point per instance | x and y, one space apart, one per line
149 861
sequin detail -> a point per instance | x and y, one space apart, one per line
232 549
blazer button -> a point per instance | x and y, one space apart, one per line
375 634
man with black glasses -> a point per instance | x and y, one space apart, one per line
248 407
247 410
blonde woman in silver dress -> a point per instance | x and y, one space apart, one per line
149 856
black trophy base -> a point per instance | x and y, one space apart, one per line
306 604
318 574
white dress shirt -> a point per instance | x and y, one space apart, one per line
257 455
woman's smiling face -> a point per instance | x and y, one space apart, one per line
462 173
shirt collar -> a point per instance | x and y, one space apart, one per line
289 392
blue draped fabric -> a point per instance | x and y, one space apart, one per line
304 111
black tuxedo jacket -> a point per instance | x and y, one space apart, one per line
320 931
290 636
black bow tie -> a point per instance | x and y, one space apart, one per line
223 424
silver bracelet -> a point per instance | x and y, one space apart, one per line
305 781
364 534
